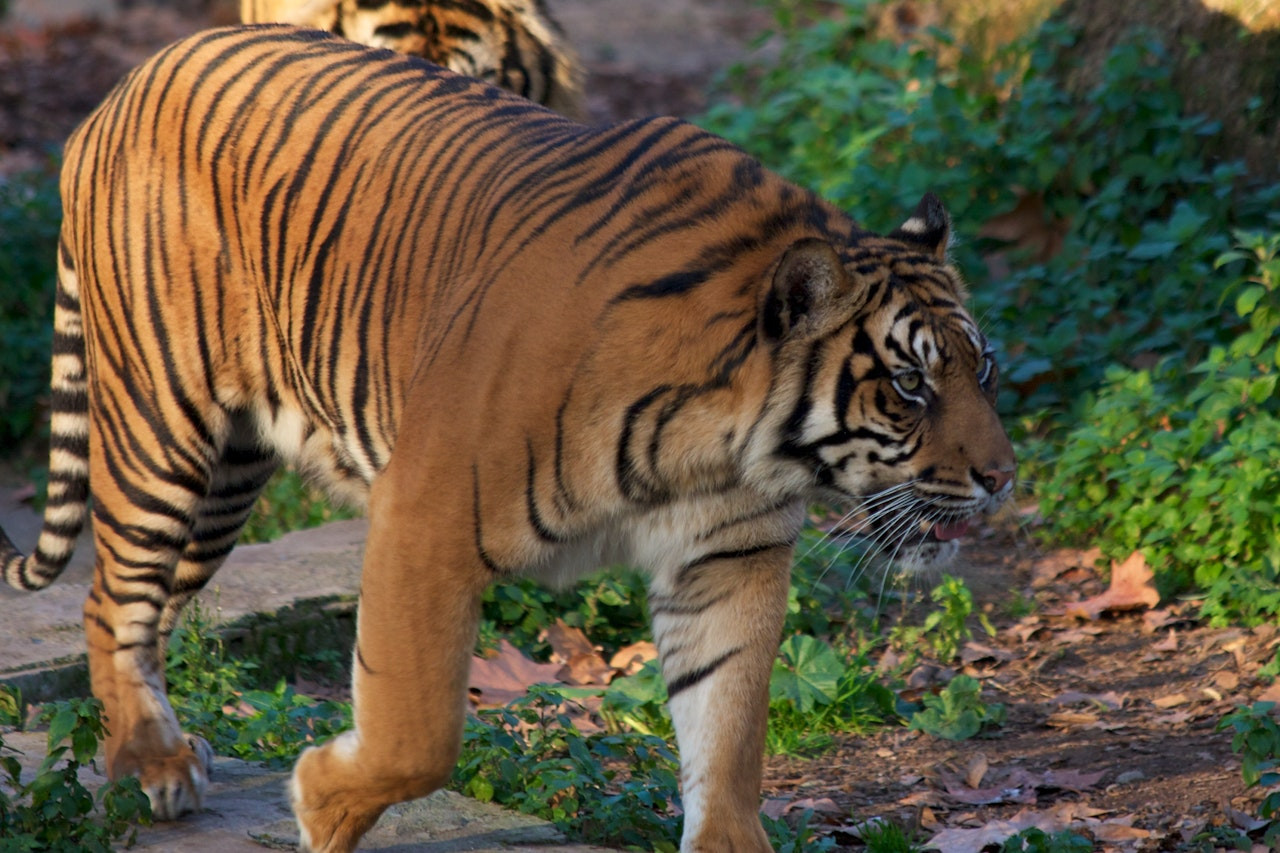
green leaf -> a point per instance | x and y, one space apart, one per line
61 725
807 673
1249 298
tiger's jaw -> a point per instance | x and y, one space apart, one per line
918 530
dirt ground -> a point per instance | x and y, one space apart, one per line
1111 718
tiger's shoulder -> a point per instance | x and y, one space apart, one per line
515 44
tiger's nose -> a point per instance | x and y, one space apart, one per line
996 480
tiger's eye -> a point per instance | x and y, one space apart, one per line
910 381
986 368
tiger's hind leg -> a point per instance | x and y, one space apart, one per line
237 481
238 478
717 621
146 505
419 607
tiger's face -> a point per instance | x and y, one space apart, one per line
893 387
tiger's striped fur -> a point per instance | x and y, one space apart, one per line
515 44
529 345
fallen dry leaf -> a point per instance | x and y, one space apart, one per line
774 807
997 831
1170 721
1156 619
1168 644
583 664
1173 700
1071 636
567 643
818 805
1118 829
1131 588
506 675
924 798
974 652
976 770
1226 680
1110 700
629 660
1071 719
1053 565
1071 780
1028 227
1026 628
1271 694
585 669
992 795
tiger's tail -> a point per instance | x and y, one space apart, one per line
68 501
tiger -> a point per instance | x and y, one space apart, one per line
515 44
527 346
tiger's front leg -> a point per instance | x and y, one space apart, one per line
718 621
419 607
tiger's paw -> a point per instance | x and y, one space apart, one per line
332 810
175 784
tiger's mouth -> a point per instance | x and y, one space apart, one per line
889 532
945 531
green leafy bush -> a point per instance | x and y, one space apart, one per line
1182 461
815 692
10 706
30 213
1257 741
288 503
872 124
54 811
884 836
604 788
827 584
1179 459
213 697
1038 841
638 703
795 833
609 606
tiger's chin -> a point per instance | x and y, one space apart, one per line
927 557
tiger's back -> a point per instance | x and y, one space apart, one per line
427 205
530 346
515 44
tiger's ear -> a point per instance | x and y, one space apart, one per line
929 227
810 292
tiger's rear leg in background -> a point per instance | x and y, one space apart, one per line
169 498
154 555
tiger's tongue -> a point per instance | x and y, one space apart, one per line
946 532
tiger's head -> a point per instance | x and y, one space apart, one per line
885 388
